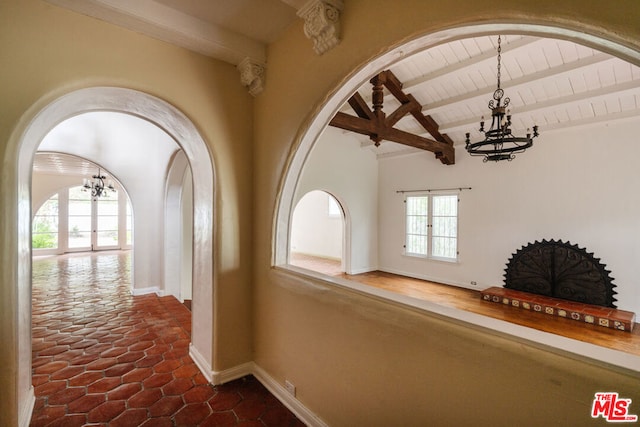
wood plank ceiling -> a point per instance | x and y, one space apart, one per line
555 84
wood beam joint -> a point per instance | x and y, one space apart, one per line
374 123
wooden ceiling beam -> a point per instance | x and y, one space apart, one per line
444 152
360 106
377 126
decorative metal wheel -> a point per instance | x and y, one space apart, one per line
561 270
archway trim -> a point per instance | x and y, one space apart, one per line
318 120
184 132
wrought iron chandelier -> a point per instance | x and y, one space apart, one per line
499 143
97 186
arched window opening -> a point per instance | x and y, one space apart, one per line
376 191
317 234
73 221
45 225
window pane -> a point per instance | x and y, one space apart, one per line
444 247
79 223
417 205
107 207
50 207
416 225
79 193
417 244
108 238
79 231
45 225
445 205
108 223
445 226
80 207
44 240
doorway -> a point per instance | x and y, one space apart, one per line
181 130
317 234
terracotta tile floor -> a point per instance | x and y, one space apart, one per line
102 357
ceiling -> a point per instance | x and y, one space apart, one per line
64 164
229 30
555 84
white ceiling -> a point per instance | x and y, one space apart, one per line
555 84
64 164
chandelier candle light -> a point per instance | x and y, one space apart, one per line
97 186
499 143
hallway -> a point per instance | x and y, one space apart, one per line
103 357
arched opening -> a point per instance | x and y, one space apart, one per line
419 175
171 121
317 234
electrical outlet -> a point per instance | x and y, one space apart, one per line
290 387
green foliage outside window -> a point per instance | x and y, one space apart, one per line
45 225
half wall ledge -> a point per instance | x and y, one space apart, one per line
592 314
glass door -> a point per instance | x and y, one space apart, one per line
80 220
93 222
105 234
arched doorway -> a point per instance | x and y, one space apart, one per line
318 234
182 130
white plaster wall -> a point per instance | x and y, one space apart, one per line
172 233
313 231
43 186
186 255
137 153
340 167
578 185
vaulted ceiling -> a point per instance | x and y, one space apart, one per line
555 84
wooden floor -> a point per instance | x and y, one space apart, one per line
469 300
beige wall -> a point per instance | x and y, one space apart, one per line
48 52
356 360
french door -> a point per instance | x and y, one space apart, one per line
93 221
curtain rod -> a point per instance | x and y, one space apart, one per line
433 189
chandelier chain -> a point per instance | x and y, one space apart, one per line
499 143
499 58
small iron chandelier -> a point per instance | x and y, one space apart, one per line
499 143
97 186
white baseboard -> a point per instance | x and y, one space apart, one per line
427 278
201 363
144 291
361 270
250 368
24 418
221 377
303 413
